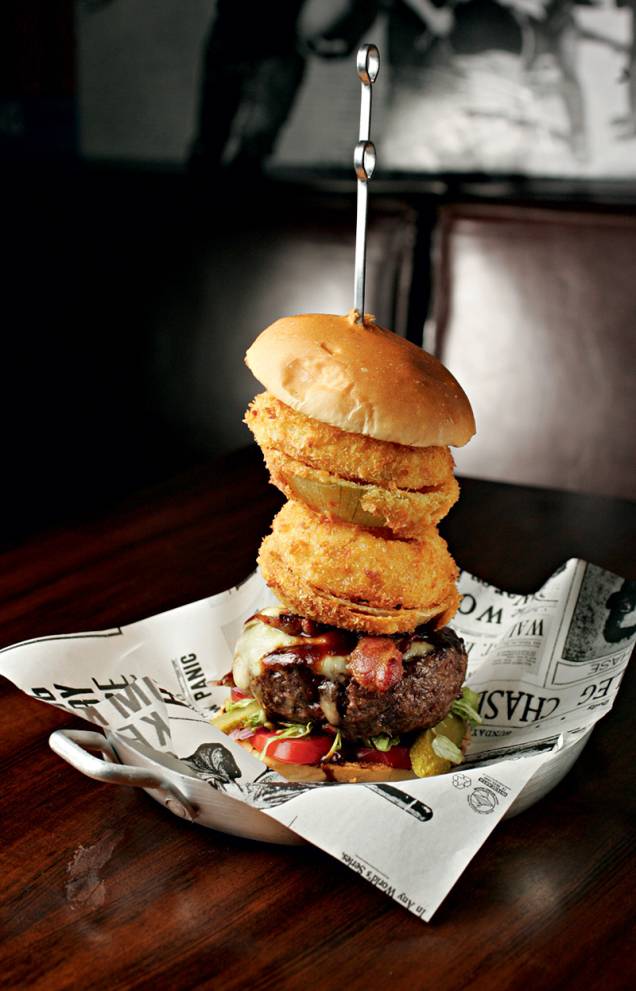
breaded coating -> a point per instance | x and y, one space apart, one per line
406 514
341 574
351 456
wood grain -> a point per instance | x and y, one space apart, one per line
101 888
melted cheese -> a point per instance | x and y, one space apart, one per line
419 648
329 708
256 640
259 639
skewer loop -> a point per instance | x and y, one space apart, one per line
364 161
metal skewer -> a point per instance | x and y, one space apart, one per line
368 66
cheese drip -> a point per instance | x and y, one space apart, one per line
259 639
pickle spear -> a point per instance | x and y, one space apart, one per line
437 749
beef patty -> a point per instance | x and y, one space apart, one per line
421 698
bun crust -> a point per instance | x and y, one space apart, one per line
362 379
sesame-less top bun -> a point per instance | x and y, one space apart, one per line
362 379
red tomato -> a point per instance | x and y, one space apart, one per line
237 695
304 750
395 757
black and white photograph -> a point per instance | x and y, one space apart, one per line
604 617
317 523
541 88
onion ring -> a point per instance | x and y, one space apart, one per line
406 514
354 457
340 574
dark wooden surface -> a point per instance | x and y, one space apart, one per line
102 888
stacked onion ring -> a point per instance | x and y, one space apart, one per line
355 428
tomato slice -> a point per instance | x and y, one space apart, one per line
237 695
397 757
303 750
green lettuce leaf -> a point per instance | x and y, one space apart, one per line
384 742
239 704
466 706
335 747
293 731
447 750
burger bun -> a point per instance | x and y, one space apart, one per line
362 379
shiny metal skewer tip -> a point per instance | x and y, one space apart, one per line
364 161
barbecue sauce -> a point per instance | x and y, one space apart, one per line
332 643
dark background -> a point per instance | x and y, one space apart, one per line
132 288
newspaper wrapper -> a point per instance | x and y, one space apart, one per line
546 666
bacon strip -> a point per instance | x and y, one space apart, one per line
376 663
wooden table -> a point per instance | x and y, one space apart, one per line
102 888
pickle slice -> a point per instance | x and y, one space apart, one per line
424 761
236 718
340 499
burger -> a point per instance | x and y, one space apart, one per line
354 675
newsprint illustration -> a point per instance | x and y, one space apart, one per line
546 668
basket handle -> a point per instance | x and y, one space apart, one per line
78 748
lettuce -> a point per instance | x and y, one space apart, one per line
466 706
447 750
384 742
335 747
